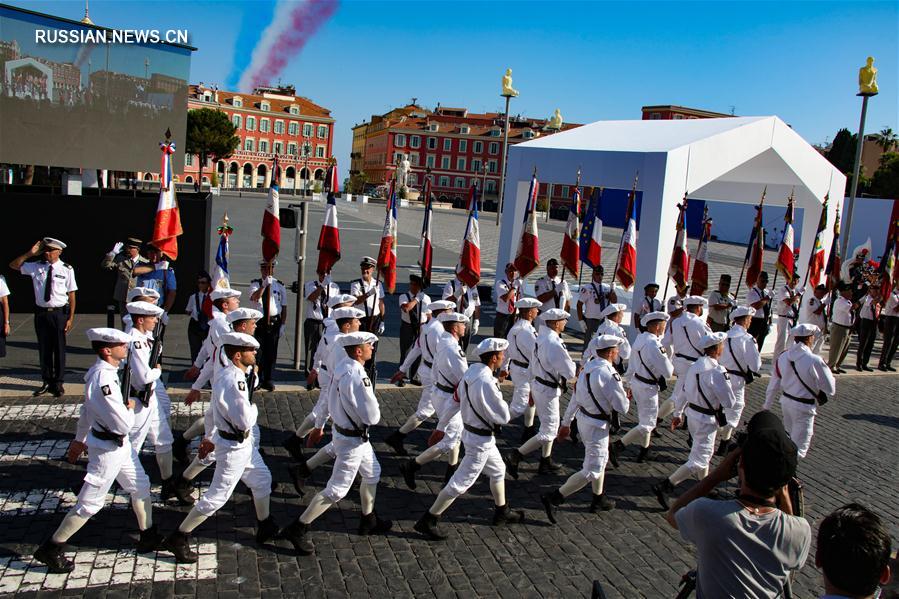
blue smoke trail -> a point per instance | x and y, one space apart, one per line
257 16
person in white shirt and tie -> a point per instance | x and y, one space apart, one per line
506 291
467 302
814 311
267 295
369 294
890 316
413 314
318 293
649 304
199 307
593 298
842 317
868 315
552 289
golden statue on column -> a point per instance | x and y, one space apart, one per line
555 121
508 90
867 79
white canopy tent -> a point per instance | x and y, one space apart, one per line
725 159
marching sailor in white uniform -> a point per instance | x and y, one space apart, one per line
522 339
682 336
742 360
613 313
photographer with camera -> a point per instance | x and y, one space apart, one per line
747 547
853 553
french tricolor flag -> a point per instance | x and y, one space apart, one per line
167 226
570 248
387 252
527 258
786 260
591 232
425 249
700 282
680 259
469 268
329 238
271 223
627 258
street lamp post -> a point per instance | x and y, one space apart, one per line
306 169
484 185
508 93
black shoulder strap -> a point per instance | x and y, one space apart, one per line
602 412
687 335
807 388
648 369
489 425
730 348
701 393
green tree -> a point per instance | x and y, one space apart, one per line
886 139
842 151
210 135
885 183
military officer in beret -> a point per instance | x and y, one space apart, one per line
122 259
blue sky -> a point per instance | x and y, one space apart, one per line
592 60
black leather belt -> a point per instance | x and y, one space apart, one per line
686 357
546 383
603 417
805 400
237 436
736 373
703 410
643 379
351 432
325 368
520 364
57 309
446 388
483 432
108 436
428 364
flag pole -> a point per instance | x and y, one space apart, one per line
630 205
680 219
580 276
743 270
782 237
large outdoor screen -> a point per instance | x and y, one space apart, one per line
69 99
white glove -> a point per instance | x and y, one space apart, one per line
117 248
281 331
162 265
583 324
381 328
475 325
165 318
269 280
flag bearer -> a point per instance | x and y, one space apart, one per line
522 340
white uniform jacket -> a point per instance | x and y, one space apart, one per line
104 409
600 390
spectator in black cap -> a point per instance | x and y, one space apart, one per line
853 553
747 547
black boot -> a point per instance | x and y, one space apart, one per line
179 448
179 488
503 514
266 530
618 447
395 441
427 525
644 455
601 503
528 432
408 469
547 466
51 555
298 474
44 388
296 533
550 501
294 446
512 459
179 544
661 491
723 448
150 540
613 455
450 470
370 524
573 434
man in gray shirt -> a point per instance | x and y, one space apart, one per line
748 546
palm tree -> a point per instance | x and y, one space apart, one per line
886 139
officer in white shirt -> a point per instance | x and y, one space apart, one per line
551 369
522 340
354 410
611 325
720 305
593 298
683 335
842 317
483 411
506 291
786 307
426 349
318 293
370 299
552 290
649 304
466 301
742 361
675 303
268 296
600 394
232 434
198 326
54 314
890 316
802 381
4 313
761 299
868 315
105 420
814 311
707 393
647 374
413 314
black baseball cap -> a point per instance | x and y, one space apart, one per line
769 456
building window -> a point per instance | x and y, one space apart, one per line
279 127
279 148
307 149
307 130
264 125
493 148
495 133
188 160
265 106
248 144
399 140
293 128
491 186
237 102
564 191
431 161
414 159
460 163
323 131
397 156
655 116
414 141
445 162
476 165
292 148
263 145
464 129
678 117
491 166
251 123
528 134
319 151
235 120
460 181
444 181
433 127
207 97
463 145
432 143
478 147
413 178
447 144
294 110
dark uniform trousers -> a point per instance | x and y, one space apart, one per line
312 334
408 335
758 328
267 336
867 334
196 335
890 339
50 327
501 325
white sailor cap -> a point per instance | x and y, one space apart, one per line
243 314
805 329
368 261
648 318
346 312
528 302
441 305
107 335
606 341
239 340
712 339
453 317
351 339
612 308
224 292
741 311
342 298
491 344
675 303
554 314
143 309
695 300
142 292
54 243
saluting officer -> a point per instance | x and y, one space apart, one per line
647 374
550 370
426 348
600 394
466 301
232 433
268 296
742 360
370 299
450 365
506 291
105 421
522 341
413 315
122 258
354 410
707 393
683 335
318 294
803 381
54 293
649 304
483 412
675 303
593 298
612 314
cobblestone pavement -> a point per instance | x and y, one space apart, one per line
631 550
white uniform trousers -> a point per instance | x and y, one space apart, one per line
818 343
451 425
353 456
105 466
681 366
481 455
782 335
425 407
647 399
521 390
703 428
738 384
319 411
150 424
594 435
799 423
235 462
546 400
